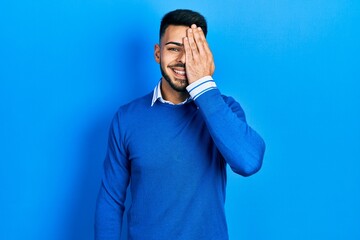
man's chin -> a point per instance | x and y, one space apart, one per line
179 84
179 88
182 82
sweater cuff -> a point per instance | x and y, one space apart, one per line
201 86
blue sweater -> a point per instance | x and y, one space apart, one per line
175 157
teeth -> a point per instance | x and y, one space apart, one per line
179 72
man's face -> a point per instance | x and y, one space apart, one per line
170 54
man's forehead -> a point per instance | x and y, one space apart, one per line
174 33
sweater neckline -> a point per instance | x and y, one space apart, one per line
173 106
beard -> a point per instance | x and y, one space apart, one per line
172 83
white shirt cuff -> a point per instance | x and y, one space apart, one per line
200 86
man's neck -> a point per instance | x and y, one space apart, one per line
171 95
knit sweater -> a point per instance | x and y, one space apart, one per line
175 157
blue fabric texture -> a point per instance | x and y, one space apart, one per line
175 157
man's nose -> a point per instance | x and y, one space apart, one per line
181 57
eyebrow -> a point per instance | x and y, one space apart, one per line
175 43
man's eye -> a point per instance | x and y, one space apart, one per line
174 49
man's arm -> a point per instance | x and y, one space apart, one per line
242 148
110 203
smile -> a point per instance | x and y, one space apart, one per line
180 73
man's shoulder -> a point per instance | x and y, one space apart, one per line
229 99
234 105
138 104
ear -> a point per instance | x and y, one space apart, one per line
157 53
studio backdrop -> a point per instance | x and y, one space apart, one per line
66 66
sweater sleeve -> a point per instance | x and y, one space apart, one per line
241 146
110 202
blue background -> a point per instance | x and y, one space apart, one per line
66 66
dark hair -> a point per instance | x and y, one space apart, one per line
182 17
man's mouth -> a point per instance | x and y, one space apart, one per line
180 73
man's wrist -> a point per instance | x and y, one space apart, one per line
201 86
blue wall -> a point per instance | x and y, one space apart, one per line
66 66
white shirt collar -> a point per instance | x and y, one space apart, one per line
158 96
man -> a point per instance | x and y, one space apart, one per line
174 144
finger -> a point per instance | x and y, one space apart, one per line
188 54
201 33
187 43
206 49
200 42
205 43
193 47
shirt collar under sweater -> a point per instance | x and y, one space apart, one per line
158 96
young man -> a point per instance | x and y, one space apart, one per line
174 145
